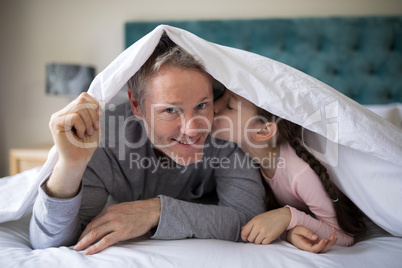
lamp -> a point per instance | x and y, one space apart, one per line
68 79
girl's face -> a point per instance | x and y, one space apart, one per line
235 120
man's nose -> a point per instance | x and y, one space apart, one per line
190 126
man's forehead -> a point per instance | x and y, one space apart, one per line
178 86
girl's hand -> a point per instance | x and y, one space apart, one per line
304 239
266 227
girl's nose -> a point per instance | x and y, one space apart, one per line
218 105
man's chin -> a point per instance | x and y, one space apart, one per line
185 160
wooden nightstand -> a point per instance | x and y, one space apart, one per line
22 159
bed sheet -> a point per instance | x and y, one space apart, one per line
392 112
380 250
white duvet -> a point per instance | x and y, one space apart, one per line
363 153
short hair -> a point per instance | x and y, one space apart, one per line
165 53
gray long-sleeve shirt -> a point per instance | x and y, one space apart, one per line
209 199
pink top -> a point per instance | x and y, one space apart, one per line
298 187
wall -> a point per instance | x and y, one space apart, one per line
36 32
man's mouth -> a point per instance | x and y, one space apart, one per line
188 141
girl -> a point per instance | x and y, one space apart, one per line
303 194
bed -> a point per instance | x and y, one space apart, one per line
361 57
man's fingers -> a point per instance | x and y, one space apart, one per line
84 111
75 124
92 229
118 223
104 243
101 219
89 110
67 123
90 235
89 115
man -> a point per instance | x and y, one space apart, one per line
169 176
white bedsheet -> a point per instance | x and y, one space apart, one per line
380 251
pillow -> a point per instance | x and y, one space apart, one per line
391 112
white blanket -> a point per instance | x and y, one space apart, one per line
362 151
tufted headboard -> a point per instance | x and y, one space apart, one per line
361 57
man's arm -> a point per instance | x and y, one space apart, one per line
241 197
59 222
119 222
76 133
75 130
54 221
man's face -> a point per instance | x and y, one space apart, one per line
178 112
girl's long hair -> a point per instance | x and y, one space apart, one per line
349 216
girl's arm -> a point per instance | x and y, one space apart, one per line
307 187
266 227
319 227
305 239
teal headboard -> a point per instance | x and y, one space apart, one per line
361 57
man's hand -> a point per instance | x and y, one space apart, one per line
303 238
119 222
76 133
266 227
75 129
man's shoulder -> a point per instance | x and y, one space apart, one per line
221 148
229 160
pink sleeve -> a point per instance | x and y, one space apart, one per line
309 189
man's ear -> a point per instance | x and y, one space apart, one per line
267 131
135 106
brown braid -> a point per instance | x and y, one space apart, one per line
315 165
349 216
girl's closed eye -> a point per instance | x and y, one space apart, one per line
228 106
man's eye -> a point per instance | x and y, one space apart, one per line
170 110
201 106
228 106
